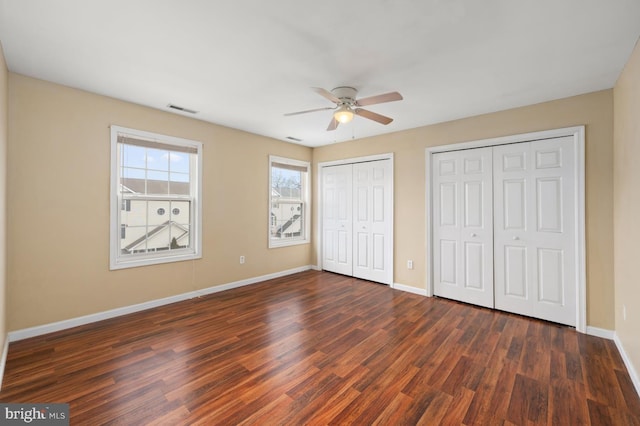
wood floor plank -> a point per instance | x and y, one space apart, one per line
565 403
397 412
318 348
458 407
528 402
437 409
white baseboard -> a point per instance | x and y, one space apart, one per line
627 362
249 281
316 268
409 289
600 332
3 360
112 313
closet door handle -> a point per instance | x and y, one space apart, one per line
516 238
473 234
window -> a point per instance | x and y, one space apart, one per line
155 198
289 201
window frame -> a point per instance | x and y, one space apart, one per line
194 251
305 192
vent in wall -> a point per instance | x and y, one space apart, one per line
179 108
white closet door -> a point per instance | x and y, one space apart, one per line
372 221
462 226
337 223
534 240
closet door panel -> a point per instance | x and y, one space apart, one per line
337 223
373 225
512 228
534 192
555 231
463 254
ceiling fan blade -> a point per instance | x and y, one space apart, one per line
379 99
333 124
309 110
327 94
373 116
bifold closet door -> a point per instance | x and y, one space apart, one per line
504 231
337 219
357 220
534 229
462 226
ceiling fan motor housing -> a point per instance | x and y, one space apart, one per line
346 94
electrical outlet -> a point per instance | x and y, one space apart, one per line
409 264
241 260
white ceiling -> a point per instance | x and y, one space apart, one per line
245 63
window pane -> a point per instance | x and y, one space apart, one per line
128 172
159 238
156 175
180 238
157 159
134 239
178 177
136 215
179 188
179 162
180 212
287 220
286 184
132 156
158 213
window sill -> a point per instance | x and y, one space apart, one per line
278 244
146 261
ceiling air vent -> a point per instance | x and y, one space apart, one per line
179 108
291 138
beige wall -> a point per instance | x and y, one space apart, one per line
3 189
595 110
58 205
626 202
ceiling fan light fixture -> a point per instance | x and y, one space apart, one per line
344 114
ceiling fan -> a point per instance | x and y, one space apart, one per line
347 105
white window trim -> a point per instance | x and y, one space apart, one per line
306 199
116 261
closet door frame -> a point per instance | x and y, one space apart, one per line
319 245
578 134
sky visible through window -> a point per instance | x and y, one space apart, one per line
154 164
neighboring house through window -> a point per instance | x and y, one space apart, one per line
289 201
156 198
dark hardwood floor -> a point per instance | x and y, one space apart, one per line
319 348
